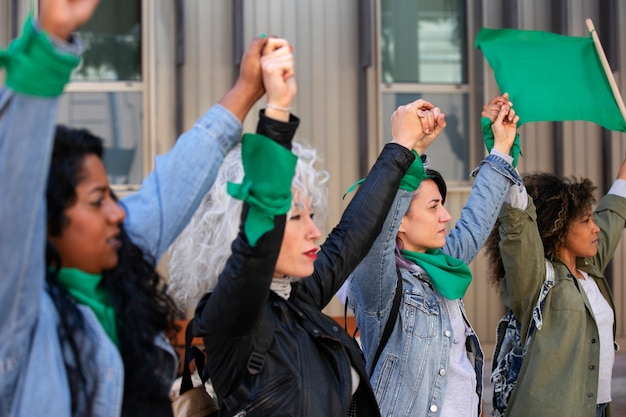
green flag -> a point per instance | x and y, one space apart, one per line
551 77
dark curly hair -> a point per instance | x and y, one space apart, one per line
143 309
559 202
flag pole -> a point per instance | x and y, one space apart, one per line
607 68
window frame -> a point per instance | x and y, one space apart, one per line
476 150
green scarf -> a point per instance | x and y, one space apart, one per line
86 290
449 276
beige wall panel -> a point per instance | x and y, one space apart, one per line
492 13
582 151
534 14
161 91
5 20
5 30
208 69
579 11
537 148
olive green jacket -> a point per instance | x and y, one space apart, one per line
559 376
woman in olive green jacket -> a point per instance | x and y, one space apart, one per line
567 369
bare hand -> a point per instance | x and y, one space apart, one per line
504 129
278 72
250 76
248 88
492 109
59 18
410 123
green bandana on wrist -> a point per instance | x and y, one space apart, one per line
450 276
411 180
34 66
516 150
266 187
414 175
86 290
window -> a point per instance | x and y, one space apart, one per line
106 92
424 55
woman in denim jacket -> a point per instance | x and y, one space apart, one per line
432 363
49 365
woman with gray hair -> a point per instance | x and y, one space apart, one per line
200 253
270 350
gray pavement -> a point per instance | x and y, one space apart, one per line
618 387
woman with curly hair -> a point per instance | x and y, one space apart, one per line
567 368
83 327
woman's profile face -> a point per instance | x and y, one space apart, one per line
90 239
424 225
581 240
298 250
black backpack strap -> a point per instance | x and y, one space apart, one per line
391 321
345 319
191 353
262 342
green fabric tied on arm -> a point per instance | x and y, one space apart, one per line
34 66
411 180
269 169
516 150
414 175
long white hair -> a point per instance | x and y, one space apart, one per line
199 254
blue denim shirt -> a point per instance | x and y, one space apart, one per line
410 378
33 381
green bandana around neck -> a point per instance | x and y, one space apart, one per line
450 276
34 66
516 149
86 290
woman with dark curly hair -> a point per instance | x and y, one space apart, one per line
130 300
567 368
82 330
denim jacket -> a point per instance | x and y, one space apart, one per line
33 381
410 376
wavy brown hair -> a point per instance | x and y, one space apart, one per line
559 202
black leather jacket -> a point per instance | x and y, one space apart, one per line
306 370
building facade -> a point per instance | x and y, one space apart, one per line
154 66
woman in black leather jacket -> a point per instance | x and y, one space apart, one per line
270 350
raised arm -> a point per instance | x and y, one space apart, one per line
169 196
494 176
249 270
35 76
610 216
362 221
